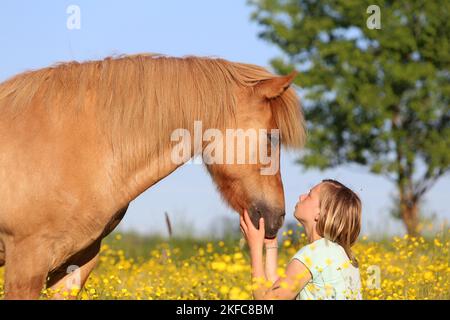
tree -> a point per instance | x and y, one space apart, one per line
376 97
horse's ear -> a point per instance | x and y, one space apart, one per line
272 88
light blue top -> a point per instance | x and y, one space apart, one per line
333 275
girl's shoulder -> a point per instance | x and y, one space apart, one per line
322 252
324 258
321 245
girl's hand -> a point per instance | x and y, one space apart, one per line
255 237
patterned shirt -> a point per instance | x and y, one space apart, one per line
333 275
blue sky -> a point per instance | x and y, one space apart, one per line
34 34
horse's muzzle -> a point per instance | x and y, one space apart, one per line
273 218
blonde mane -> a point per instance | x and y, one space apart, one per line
141 99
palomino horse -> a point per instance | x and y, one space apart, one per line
79 141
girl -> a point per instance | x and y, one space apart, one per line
324 269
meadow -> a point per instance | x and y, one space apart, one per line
137 267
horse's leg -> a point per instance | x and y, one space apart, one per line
26 269
74 274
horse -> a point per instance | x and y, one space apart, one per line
80 140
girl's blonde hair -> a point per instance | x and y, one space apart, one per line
340 215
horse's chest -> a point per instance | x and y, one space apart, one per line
115 220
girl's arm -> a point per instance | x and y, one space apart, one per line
271 259
297 275
287 287
258 274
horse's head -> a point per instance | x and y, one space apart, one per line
256 185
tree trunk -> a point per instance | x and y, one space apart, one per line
409 211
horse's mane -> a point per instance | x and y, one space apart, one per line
151 95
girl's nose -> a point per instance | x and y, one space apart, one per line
302 197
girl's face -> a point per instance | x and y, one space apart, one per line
307 208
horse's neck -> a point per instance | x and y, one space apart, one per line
137 180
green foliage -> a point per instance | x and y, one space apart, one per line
380 97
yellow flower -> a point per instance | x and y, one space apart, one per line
307 260
399 268
220 266
74 291
224 290
238 256
329 290
235 293
311 287
281 272
428 276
